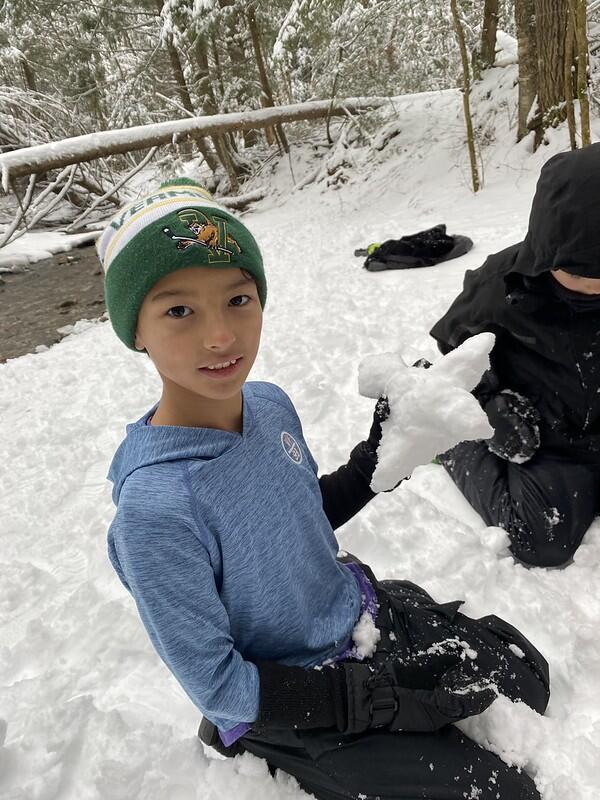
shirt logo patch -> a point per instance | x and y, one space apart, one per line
291 447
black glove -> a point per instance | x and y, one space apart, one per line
208 733
353 697
377 700
515 421
364 456
423 363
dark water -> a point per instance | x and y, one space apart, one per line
52 293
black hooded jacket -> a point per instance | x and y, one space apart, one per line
547 339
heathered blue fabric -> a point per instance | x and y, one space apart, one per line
222 540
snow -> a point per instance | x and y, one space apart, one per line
365 636
89 711
36 245
431 409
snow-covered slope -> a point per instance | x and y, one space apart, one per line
88 709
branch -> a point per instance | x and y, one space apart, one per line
112 190
41 158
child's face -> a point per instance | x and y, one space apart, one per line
577 283
215 316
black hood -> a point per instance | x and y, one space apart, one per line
564 224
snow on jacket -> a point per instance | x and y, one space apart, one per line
222 540
547 348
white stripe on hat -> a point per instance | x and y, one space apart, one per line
129 221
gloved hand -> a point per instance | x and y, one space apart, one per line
516 426
378 699
364 456
354 696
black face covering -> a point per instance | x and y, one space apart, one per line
578 301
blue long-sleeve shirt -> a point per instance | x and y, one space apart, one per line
222 540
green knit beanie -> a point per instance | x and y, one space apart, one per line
179 225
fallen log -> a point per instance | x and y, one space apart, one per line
78 149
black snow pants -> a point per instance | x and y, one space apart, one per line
445 765
545 505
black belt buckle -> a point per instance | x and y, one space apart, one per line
384 706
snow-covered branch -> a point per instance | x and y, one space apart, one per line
54 155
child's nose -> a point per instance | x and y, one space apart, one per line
218 335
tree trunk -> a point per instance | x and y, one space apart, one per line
209 105
569 55
184 94
76 150
220 81
578 11
465 92
551 22
28 73
262 71
528 64
488 34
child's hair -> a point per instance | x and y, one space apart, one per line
179 225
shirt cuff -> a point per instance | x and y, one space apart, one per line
231 736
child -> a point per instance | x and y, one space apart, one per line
224 537
539 477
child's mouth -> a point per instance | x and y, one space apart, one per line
223 372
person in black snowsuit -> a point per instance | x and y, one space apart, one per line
539 476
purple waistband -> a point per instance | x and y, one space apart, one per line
369 605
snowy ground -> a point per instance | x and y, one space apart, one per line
37 245
88 709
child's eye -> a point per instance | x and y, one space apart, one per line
174 308
240 297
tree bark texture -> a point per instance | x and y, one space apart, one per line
267 92
568 67
528 62
551 23
465 93
579 14
488 33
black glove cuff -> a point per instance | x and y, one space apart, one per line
294 697
363 460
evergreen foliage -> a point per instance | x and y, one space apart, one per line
111 64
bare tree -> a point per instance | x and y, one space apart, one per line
267 99
578 12
184 93
528 62
466 90
551 18
570 78
487 53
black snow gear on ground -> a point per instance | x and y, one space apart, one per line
548 352
422 249
390 737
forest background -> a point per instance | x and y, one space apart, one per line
70 68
